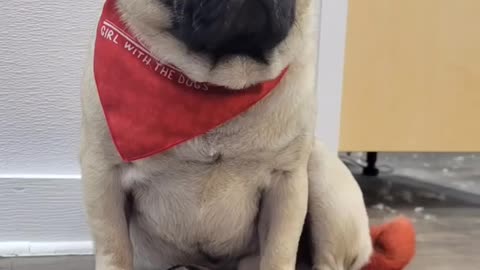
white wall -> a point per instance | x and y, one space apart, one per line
41 55
332 40
42 50
41 58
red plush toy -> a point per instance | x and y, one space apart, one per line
394 245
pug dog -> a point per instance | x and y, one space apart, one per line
241 195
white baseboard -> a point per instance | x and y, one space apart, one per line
33 249
42 215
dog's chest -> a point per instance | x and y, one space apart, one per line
203 196
207 210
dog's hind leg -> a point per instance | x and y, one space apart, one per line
337 215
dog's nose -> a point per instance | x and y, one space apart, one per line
229 27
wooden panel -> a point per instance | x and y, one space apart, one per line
412 76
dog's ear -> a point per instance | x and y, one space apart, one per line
232 27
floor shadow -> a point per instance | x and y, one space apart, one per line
405 192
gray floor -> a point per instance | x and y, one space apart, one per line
48 263
459 171
447 238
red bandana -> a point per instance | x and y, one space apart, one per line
150 106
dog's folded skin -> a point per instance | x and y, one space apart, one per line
237 197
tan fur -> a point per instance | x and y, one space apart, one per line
190 202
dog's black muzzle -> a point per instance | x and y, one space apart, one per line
231 27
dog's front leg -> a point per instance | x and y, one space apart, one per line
104 201
338 218
284 207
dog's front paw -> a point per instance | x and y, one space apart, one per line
253 263
102 263
187 267
108 267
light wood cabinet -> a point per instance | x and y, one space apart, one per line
412 76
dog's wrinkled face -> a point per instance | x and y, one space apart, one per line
231 27
232 43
